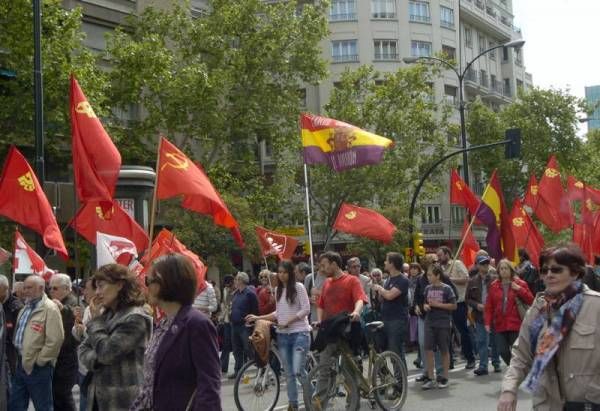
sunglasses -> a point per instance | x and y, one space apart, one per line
555 269
152 279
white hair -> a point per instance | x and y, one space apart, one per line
38 280
3 281
376 271
242 276
62 279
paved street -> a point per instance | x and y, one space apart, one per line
466 392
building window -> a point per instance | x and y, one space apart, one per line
420 48
481 39
468 37
505 54
302 97
519 84
518 57
492 54
494 83
383 9
450 94
431 214
419 11
483 78
458 214
344 51
446 17
386 49
507 87
342 10
450 52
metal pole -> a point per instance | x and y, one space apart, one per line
310 241
38 97
463 129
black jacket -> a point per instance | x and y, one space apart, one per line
12 306
67 358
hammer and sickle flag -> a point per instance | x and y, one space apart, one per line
525 233
23 200
556 199
364 222
96 160
177 175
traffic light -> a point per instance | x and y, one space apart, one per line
418 246
408 254
513 148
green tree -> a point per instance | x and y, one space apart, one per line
548 122
62 54
218 86
396 105
589 168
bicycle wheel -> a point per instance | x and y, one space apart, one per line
389 373
339 390
256 388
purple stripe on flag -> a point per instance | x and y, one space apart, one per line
346 159
494 236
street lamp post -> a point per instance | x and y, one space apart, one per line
461 101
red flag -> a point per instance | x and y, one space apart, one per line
27 261
574 188
165 243
470 246
525 232
178 175
364 222
115 221
553 194
539 207
96 160
23 200
461 194
586 235
272 243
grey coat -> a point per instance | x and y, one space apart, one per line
114 352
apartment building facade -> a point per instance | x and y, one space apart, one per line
592 95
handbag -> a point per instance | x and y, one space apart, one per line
522 308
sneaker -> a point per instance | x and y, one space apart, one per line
422 378
429 385
497 368
470 365
480 371
442 382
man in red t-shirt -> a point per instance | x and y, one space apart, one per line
341 292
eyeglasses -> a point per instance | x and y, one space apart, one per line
555 269
150 279
262 277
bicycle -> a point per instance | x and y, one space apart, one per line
257 388
345 383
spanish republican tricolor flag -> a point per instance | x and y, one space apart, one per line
340 145
494 214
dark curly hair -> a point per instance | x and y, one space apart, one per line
569 255
130 294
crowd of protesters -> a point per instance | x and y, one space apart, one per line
542 323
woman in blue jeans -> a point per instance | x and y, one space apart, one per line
293 338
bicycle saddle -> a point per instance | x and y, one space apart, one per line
374 325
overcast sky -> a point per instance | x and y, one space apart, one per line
562 37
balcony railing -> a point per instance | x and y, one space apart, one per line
471 75
447 24
387 56
480 4
420 19
343 17
483 80
345 58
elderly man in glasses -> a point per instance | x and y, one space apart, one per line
65 374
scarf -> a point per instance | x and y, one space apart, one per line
566 306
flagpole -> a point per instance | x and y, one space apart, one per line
310 241
462 241
154 200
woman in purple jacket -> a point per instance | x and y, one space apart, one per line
181 365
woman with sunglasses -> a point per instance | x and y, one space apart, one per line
555 356
293 339
117 333
181 365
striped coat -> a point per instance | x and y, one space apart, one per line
114 352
